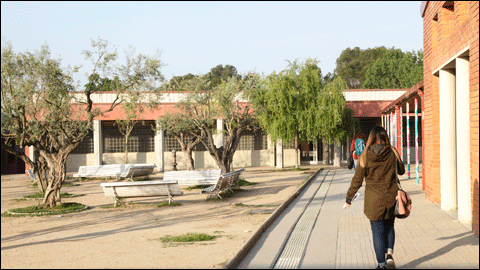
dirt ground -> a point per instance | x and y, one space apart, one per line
127 237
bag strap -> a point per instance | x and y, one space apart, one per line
396 170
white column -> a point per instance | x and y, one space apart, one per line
336 159
31 154
463 138
160 150
97 142
219 139
279 154
448 153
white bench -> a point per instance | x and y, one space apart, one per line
196 177
116 170
32 176
141 189
226 182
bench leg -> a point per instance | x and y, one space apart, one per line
115 195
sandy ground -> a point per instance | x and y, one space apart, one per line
127 237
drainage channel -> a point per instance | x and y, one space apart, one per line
293 250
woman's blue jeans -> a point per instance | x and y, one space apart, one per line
383 237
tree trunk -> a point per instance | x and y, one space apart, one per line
126 149
326 157
188 158
57 172
296 150
41 171
224 165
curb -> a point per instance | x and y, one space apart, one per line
233 263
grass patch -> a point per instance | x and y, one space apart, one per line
197 187
65 184
162 204
40 195
41 210
96 178
257 205
189 237
245 183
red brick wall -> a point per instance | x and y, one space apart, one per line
443 39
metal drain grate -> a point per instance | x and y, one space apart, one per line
293 250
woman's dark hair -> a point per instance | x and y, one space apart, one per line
379 134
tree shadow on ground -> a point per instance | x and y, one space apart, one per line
467 239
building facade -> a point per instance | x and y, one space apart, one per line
451 161
105 144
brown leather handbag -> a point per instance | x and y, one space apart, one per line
403 204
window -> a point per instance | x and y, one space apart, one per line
172 143
86 146
141 139
252 140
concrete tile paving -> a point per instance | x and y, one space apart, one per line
341 238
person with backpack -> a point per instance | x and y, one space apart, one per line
356 147
377 165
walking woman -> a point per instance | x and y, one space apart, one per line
377 164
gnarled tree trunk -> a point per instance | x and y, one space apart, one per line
57 173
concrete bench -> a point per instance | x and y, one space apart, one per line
226 182
141 189
116 170
196 177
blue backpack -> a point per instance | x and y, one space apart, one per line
359 146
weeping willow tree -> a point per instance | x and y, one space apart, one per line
44 111
296 106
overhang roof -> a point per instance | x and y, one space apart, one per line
371 108
410 94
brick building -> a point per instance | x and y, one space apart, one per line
451 163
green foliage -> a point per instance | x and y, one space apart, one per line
352 64
296 102
197 187
206 103
284 105
162 204
395 69
189 237
40 195
219 74
41 108
245 183
41 210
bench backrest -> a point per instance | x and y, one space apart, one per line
227 180
193 177
112 169
31 175
141 188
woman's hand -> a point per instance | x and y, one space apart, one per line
346 205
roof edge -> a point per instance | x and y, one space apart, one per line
423 7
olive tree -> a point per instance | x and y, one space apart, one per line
206 102
45 111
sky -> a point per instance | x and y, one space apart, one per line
194 37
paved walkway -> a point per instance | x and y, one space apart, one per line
315 232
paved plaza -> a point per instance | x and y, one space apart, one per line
315 231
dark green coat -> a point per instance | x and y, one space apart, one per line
380 182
